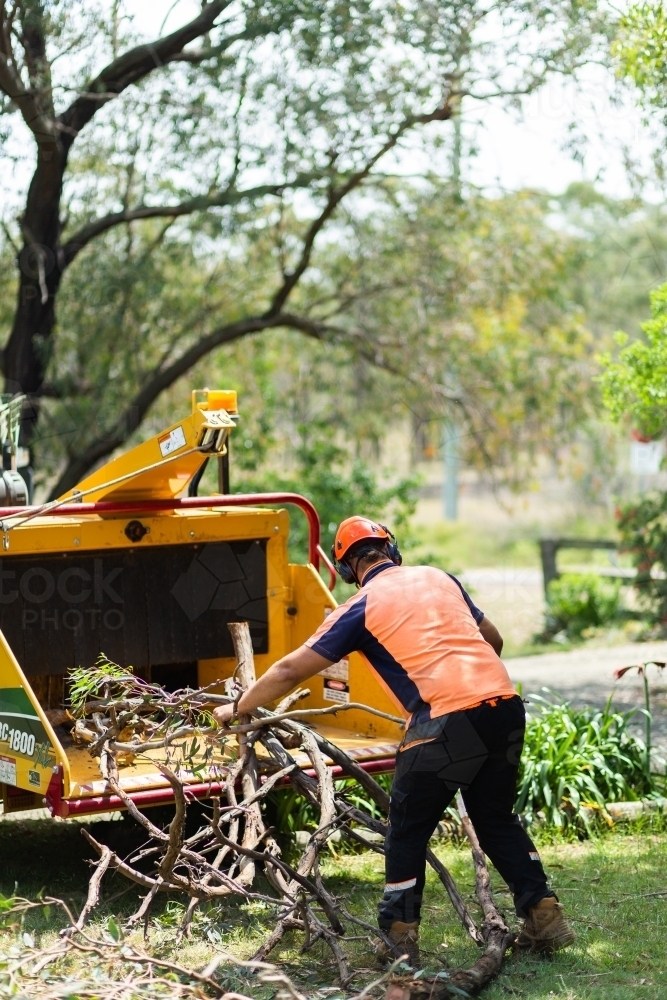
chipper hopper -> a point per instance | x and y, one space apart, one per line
134 565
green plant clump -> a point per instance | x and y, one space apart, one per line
289 811
577 601
578 759
643 529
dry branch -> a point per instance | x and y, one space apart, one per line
120 713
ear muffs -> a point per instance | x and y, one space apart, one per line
393 550
345 572
343 569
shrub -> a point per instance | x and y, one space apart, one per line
643 529
579 601
574 758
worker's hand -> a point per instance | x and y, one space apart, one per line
223 714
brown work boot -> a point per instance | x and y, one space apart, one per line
545 928
405 938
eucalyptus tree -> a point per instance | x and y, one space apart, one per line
437 303
249 112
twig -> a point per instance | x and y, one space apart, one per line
248 727
93 889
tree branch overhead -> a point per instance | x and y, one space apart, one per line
276 97
134 66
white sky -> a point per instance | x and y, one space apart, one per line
515 152
512 151
531 151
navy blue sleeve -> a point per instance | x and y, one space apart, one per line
344 635
474 610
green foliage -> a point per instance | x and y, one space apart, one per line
577 601
574 761
104 680
640 49
489 338
642 525
272 120
431 307
289 811
578 758
146 708
113 929
149 287
620 253
337 492
635 384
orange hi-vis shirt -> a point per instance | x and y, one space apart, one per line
419 632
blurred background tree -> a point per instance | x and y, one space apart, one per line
425 304
434 306
640 48
240 136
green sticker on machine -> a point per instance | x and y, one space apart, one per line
21 728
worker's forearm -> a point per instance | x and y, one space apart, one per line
282 677
491 634
275 683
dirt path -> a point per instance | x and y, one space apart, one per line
586 677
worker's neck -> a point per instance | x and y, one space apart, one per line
362 572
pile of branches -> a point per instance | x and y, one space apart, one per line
129 717
121 971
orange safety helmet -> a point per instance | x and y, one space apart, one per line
354 529
357 529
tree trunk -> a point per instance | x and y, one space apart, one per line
41 260
41 266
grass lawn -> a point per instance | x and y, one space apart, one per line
615 891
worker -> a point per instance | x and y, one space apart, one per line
438 657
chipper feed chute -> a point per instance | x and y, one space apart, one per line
132 566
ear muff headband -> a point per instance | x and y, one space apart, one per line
343 568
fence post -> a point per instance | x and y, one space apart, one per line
548 549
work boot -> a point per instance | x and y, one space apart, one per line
405 938
545 928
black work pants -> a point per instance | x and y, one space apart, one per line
478 752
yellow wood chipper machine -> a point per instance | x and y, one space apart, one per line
133 564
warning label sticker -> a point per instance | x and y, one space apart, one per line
336 691
8 770
337 671
171 442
